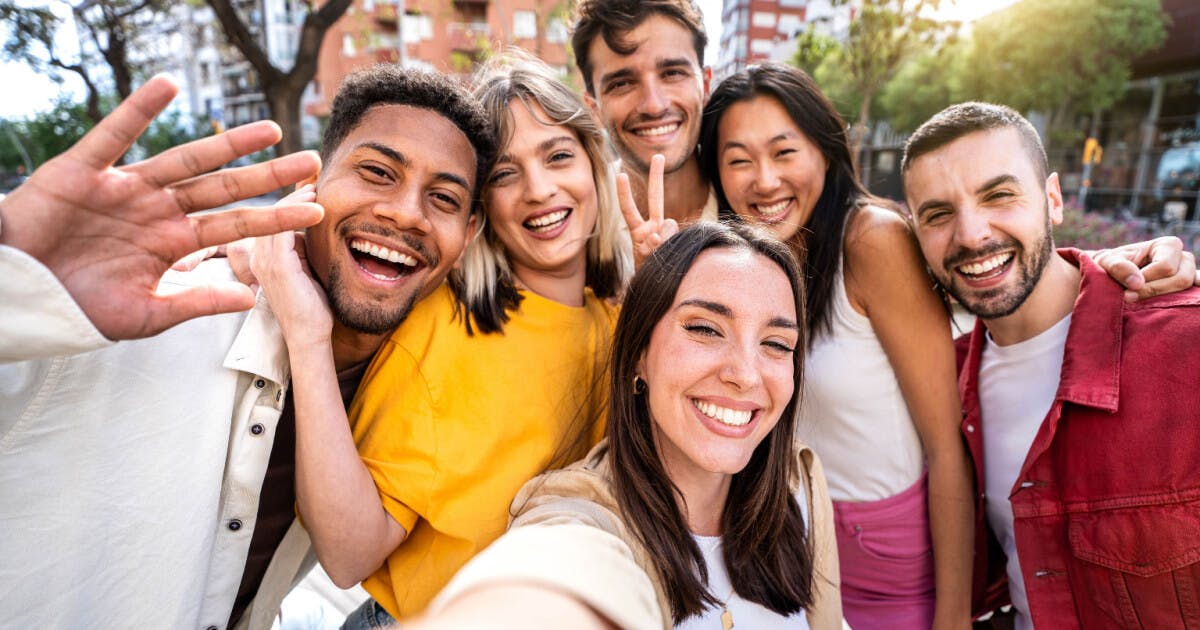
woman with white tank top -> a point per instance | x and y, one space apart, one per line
880 403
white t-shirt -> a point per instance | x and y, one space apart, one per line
1017 384
746 614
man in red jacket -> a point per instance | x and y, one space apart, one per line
1082 411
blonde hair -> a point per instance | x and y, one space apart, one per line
484 283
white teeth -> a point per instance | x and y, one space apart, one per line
382 253
986 265
773 209
731 417
658 131
547 222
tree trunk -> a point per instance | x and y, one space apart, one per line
858 136
284 103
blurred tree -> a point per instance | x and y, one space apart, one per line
1060 56
282 88
111 28
51 132
923 86
882 35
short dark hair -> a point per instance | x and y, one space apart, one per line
956 121
386 84
613 19
767 548
819 243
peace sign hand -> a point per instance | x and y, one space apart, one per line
108 234
647 234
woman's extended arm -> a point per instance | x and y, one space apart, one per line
338 500
886 279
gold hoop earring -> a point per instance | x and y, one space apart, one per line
639 386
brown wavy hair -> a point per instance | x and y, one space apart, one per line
765 544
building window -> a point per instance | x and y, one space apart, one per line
524 25
763 19
761 46
556 31
793 3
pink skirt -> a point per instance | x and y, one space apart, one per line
886 559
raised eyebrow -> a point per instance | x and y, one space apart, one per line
724 311
930 205
623 73
715 307
387 151
453 178
783 322
673 62
550 143
999 180
542 147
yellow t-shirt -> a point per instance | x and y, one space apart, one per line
451 426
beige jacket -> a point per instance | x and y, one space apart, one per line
568 535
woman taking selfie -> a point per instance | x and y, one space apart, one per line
880 401
699 496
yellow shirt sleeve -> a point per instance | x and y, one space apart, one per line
394 430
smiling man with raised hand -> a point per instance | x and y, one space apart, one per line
149 483
1081 408
641 66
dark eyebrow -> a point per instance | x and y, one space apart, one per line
391 153
787 135
623 73
400 159
994 182
673 62
929 205
722 310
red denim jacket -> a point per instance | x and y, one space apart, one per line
1107 504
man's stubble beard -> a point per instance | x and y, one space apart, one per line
1031 273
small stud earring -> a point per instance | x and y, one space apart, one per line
639 386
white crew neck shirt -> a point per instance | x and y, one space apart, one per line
1017 386
746 614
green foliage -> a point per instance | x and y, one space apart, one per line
812 49
1045 54
45 135
49 133
922 87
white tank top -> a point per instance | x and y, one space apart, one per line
853 413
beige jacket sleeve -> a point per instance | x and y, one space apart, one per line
583 561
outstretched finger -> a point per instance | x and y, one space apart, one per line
189 262
654 187
629 208
203 155
230 225
168 310
113 136
235 184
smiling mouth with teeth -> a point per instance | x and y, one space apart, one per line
547 222
986 268
772 210
659 130
380 262
731 417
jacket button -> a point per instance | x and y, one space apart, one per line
970 428
257 429
234 525
260 383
